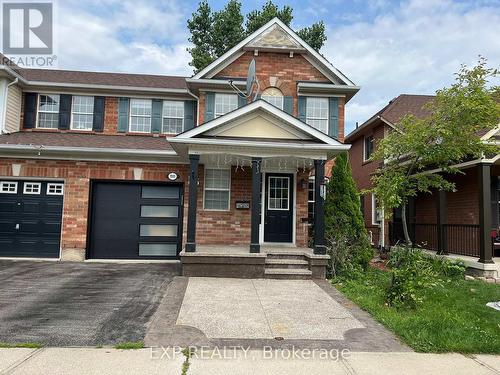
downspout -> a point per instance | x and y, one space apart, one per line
382 230
4 110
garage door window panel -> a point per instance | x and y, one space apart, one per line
34 188
55 189
157 249
148 230
160 192
7 187
160 211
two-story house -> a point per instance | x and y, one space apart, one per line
458 223
129 166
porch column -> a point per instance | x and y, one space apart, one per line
319 208
255 214
485 242
441 221
193 202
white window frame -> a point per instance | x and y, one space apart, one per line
33 184
364 147
172 117
38 111
56 185
376 212
73 113
318 118
216 189
130 115
3 183
221 94
269 194
275 93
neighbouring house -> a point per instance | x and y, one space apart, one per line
129 166
462 223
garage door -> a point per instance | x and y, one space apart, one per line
30 218
135 221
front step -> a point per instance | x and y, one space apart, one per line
284 255
288 274
286 263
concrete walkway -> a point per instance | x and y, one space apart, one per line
56 361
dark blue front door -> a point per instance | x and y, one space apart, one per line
278 224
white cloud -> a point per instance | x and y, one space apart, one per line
415 48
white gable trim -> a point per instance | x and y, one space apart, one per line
262 105
215 66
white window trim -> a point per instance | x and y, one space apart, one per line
2 183
319 118
38 110
145 116
39 188
217 189
164 117
269 196
374 211
55 184
364 146
216 114
79 113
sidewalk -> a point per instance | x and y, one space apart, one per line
147 361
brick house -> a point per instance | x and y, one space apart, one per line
129 166
458 223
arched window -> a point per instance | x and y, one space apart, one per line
273 96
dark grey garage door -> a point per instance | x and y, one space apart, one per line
135 221
30 218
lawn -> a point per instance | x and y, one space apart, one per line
453 317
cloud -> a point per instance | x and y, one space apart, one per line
414 48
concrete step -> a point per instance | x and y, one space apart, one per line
286 263
288 274
284 255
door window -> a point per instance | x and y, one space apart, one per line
279 188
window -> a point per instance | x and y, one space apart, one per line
147 230
273 96
225 103
317 113
159 211
48 111
7 187
368 147
279 188
157 249
55 189
376 211
217 189
140 115
160 192
362 205
32 188
310 201
173 117
82 113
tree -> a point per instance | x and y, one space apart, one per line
447 137
348 242
214 33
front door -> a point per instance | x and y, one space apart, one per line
278 224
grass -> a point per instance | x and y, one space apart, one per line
453 317
31 345
130 345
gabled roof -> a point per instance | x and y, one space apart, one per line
288 40
306 135
394 111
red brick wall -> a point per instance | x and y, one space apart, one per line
111 115
287 71
362 172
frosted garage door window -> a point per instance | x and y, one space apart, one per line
157 249
158 230
160 192
159 211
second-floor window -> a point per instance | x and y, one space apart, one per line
368 147
225 103
48 111
317 113
173 117
82 112
140 115
273 96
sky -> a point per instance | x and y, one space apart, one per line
386 47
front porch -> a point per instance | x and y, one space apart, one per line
273 261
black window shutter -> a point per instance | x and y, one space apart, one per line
209 106
29 110
156 111
64 111
98 121
189 112
288 104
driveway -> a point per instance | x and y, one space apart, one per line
79 304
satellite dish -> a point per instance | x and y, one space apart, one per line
252 82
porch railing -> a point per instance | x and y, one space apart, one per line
460 239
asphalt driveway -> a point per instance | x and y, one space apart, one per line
79 304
